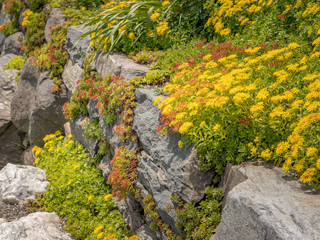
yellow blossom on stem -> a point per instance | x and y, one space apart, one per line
162 28
306 177
185 127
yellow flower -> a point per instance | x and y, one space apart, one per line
51 149
306 177
202 124
107 197
150 33
165 3
287 165
300 165
69 182
253 151
99 235
311 151
318 164
110 237
282 147
36 161
207 57
162 28
216 127
257 107
263 94
185 127
154 16
265 154
98 229
180 144
70 136
240 97
157 100
131 35
225 31
90 198
293 45
134 237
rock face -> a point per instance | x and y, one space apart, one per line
35 226
78 133
35 109
263 203
77 49
71 74
10 136
12 44
55 18
164 169
118 64
19 183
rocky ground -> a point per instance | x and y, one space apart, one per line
11 212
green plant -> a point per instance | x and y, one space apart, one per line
157 77
156 222
36 5
124 172
16 63
199 222
145 57
34 36
53 56
77 191
9 28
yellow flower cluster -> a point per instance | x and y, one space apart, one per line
26 15
200 96
162 28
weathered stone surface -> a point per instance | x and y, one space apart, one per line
145 233
118 64
78 49
35 226
78 133
2 220
27 157
92 110
35 109
131 211
21 17
12 44
19 183
55 18
266 203
105 167
71 74
23 99
47 114
67 129
10 136
164 169
11 145
113 139
4 17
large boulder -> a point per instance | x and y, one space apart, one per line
18 183
117 64
55 18
12 44
71 74
35 108
164 169
262 202
76 48
35 226
10 136
47 115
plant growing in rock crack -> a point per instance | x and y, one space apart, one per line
124 172
199 222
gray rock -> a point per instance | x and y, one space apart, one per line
262 202
35 226
55 18
78 49
71 74
117 64
5 59
131 211
78 133
92 110
19 183
35 109
67 129
46 115
27 157
180 167
2 220
21 17
105 167
113 139
23 99
12 44
145 233
2 38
